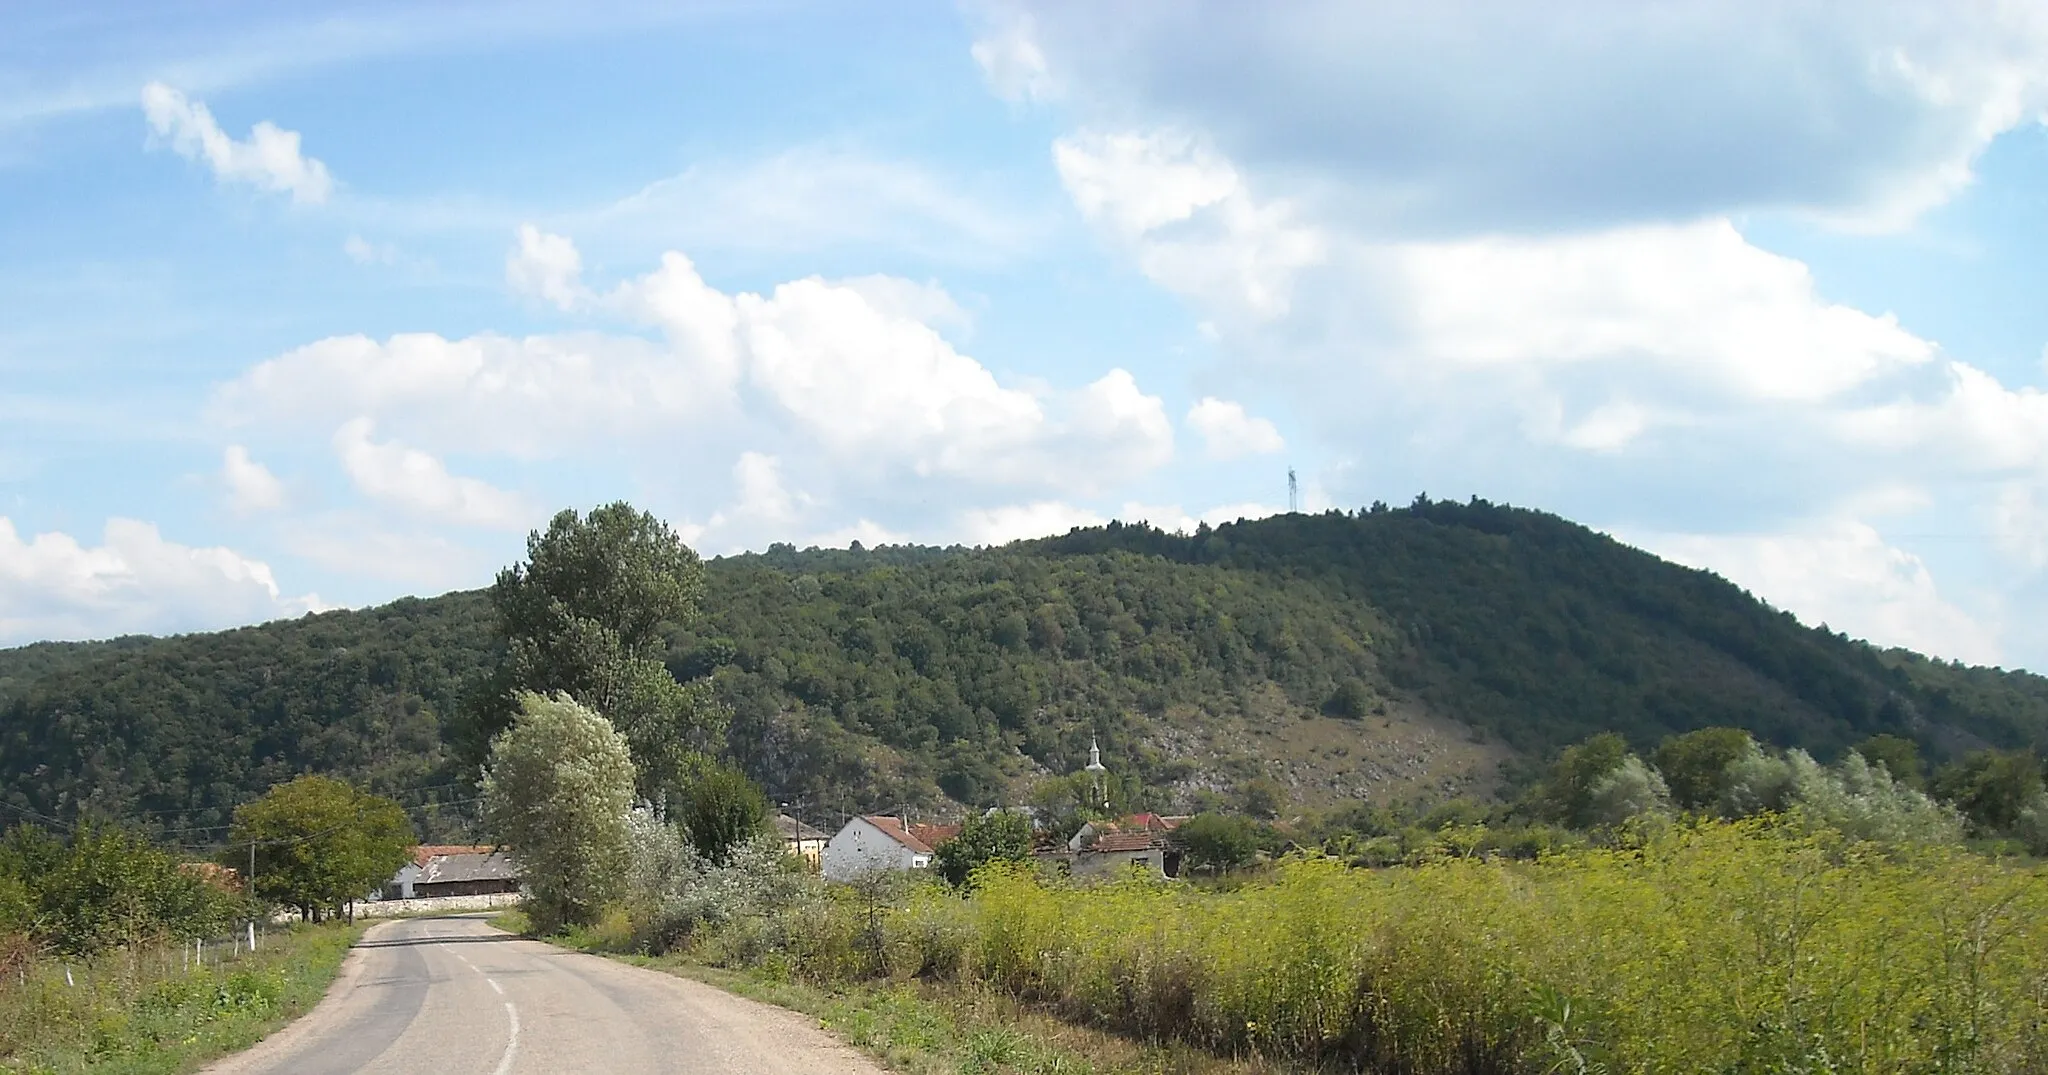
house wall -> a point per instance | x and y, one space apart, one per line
811 850
400 887
1114 863
484 887
860 848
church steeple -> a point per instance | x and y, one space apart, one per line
1098 783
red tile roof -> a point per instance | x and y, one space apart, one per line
935 836
894 828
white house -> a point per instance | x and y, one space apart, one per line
880 842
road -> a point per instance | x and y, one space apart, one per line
454 996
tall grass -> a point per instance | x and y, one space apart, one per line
1734 947
156 1009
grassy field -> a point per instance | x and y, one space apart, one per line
150 1012
1740 947
1727 947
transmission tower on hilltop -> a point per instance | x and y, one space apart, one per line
1293 493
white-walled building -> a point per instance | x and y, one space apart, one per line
880 842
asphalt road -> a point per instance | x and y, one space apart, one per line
454 996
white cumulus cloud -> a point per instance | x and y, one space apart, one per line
419 482
1015 522
251 486
269 159
1842 573
134 581
1229 432
1476 116
546 266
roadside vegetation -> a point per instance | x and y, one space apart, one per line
1767 944
155 1010
117 956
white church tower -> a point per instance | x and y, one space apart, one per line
1098 772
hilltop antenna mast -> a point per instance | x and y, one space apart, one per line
1293 493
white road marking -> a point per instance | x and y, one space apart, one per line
466 962
511 1043
493 982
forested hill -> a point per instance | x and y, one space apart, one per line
1387 653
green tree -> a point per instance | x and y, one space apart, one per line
107 887
1351 700
557 790
1567 794
721 811
1900 757
1217 842
319 843
1002 836
1991 787
1695 765
1628 791
1262 797
583 615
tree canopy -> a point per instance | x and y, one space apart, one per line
319 843
557 789
722 810
984 839
583 615
863 679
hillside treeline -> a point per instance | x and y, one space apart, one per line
861 679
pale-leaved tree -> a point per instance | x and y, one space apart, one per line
557 791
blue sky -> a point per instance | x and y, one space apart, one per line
305 307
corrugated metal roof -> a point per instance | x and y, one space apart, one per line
424 853
1124 841
469 866
792 829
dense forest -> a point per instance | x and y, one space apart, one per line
864 679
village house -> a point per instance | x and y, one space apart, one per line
802 840
1143 841
453 870
881 842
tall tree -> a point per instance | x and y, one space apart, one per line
1567 795
1900 757
1991 787
722 810
556 791
1695 765
583 615
1002 836
318 842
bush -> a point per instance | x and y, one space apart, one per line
672 891
1217 842
103 889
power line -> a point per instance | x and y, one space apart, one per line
45 818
